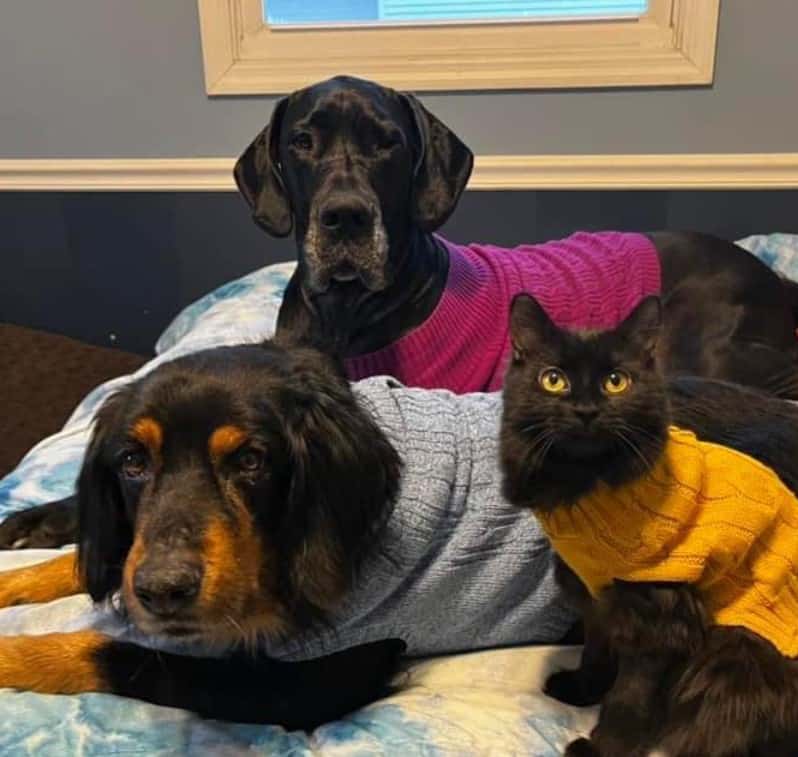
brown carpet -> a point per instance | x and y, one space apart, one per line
42 378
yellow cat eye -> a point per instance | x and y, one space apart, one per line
554 381
616 382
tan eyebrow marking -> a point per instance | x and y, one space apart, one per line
224 440
148 432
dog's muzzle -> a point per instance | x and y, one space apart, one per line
347 218
346 243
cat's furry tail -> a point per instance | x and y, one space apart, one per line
756 424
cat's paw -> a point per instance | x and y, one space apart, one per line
568 686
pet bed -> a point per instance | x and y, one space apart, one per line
479 703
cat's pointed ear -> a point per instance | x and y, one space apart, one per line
642 328
529 326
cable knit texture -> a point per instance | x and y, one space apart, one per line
589 281
706 515
460 568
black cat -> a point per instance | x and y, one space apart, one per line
583 410
580 408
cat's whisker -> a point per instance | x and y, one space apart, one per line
540 446
632 446
784 382
644 436
549 426
546 449
706 411
654 436
530 427
788 386
540 441
786 373
639 431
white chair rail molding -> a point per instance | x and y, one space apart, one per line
491 172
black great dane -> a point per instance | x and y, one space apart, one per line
363 175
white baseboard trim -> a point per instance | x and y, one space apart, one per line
491 172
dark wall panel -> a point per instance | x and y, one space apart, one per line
113 268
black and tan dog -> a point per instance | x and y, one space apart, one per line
224 502
248 498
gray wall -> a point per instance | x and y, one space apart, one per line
123 78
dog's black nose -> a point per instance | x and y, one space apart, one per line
167 589
347 216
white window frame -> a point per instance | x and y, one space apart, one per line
673 44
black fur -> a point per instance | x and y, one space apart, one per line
105 516
48 525
254 689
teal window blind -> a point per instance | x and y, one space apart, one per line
369 12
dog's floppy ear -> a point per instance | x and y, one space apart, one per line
105 533
344 478
257 174
443 165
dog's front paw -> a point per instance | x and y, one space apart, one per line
53 663
569 687
45 526
41 582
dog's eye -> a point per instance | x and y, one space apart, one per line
302 140
134 465
250 460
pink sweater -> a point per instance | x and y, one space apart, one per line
587 281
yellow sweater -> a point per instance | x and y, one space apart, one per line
706 515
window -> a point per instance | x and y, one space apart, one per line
287 13
276 46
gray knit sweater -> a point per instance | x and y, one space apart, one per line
460 568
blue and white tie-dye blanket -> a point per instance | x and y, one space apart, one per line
486 702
